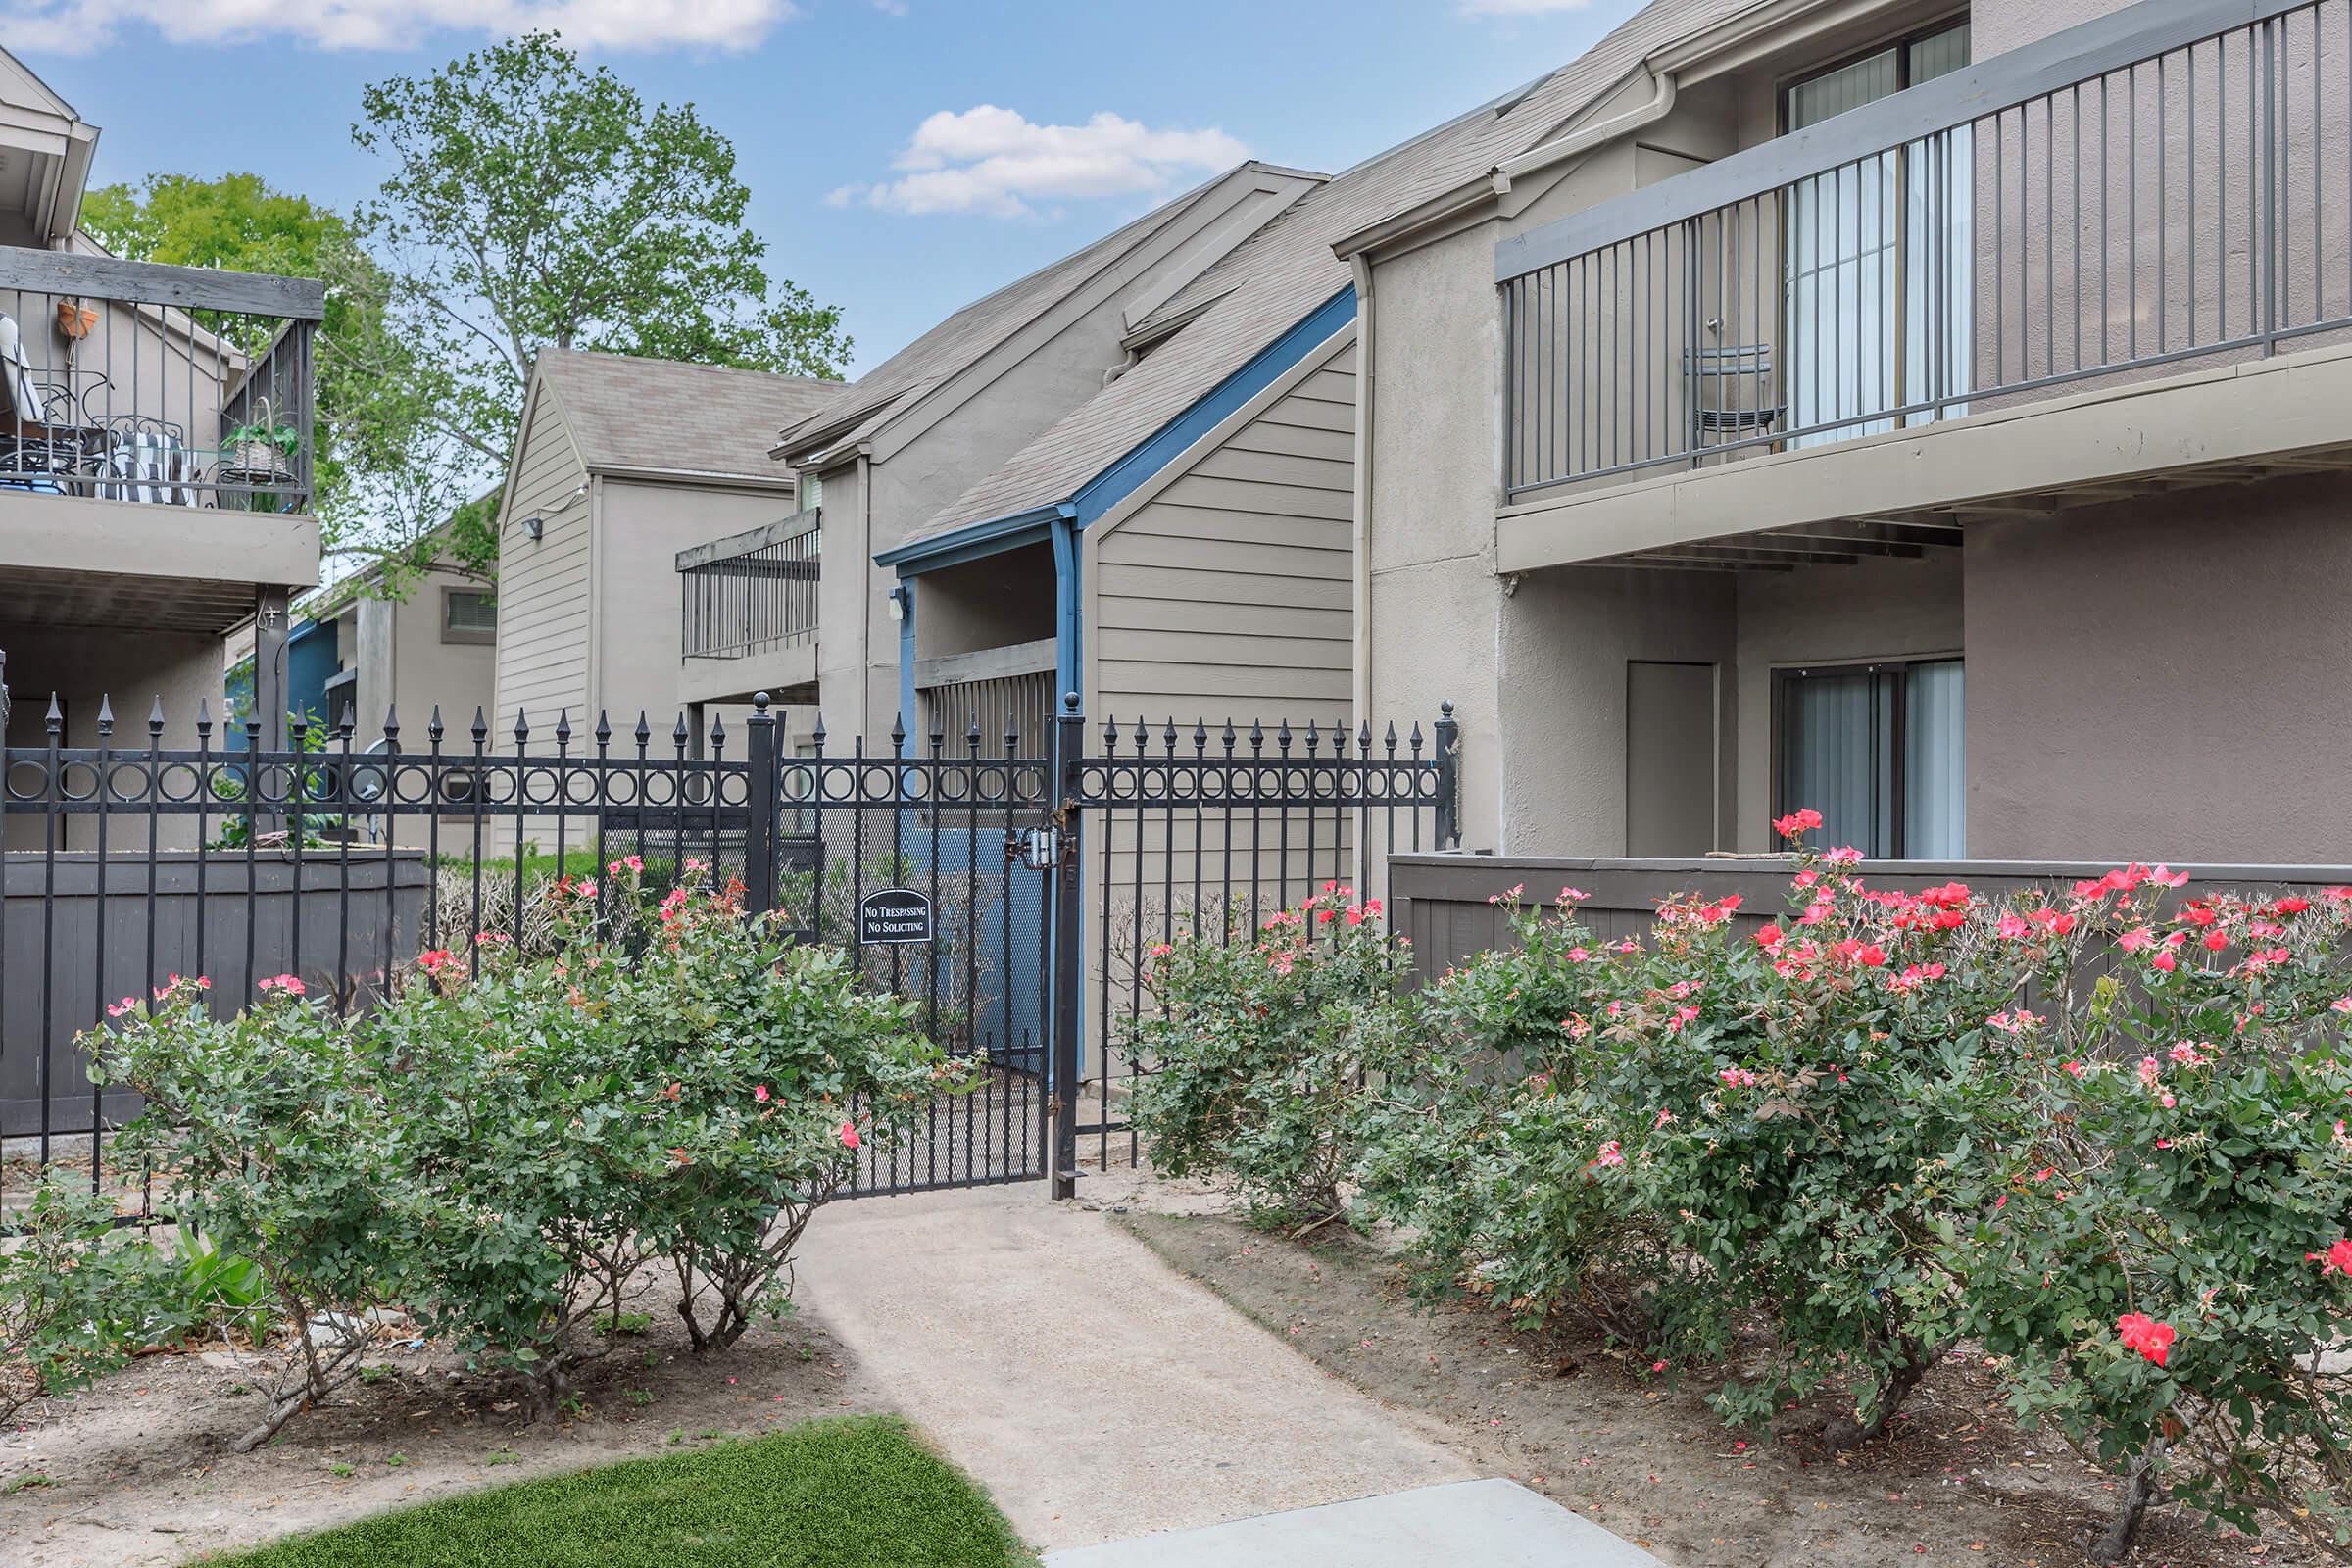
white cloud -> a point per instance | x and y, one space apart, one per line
994 162
1520 8
81 26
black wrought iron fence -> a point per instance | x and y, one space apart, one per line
1005 895
1190 832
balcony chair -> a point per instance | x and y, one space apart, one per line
1739 376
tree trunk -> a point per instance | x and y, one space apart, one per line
284 1411
2114 1541
1849 1433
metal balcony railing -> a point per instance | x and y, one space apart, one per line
168 385
2170 182
752 591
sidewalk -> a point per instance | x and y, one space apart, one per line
1097 1394
1492 1523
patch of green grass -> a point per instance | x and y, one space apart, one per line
853 1491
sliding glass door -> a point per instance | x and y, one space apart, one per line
1877 751
1878 258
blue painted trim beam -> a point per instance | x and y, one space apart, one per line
1069 612
1122 479
906 591
974 542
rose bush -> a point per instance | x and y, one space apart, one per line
503 1147
280 1143
1255 1051
78 1293
1495 1155
2101 1132
2167 1278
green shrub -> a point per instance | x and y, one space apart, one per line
1494 1155
1883 1125
79 1294
1255 1052
280 1143
2169 1280
501 1146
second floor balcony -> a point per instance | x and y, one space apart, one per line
158 385
156 442
2153 201
748 612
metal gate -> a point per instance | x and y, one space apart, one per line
921 862
1007 895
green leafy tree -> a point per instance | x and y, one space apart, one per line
531 203
365 441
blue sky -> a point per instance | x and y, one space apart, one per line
876 183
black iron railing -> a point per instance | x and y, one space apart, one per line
754 591
1206 833
164 385
1005 893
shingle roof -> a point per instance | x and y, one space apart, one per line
978 327
659 414
1274 279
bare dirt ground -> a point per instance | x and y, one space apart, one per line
1955 1486
137 1470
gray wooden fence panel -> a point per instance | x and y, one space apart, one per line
92 960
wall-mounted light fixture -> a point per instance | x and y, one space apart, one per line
898 596
534 528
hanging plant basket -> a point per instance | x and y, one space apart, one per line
257 462
259 452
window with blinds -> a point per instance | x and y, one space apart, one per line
468 615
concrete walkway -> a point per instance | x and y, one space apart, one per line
1494 1524
1095 1393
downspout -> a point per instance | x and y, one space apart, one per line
905 594
865 599
1070 620
1360 534
1584 139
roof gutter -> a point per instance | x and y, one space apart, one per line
1474 194
1662 93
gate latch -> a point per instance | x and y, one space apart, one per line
1039 848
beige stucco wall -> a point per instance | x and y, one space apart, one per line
989 602
1565 640
641 526
2164 679
405 662
133 669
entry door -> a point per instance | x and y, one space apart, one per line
1879 253
1670 759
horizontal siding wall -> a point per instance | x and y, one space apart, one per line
543 599
1228 594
